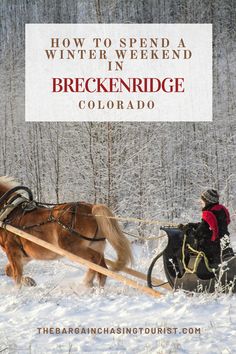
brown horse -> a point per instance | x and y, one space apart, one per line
80 228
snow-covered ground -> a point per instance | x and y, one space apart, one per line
61 301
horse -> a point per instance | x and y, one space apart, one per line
78 227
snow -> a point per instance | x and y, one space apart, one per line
61 301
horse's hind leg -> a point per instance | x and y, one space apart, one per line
89 278
83 252
101 277
90 275
94 257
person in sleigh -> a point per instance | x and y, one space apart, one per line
212 228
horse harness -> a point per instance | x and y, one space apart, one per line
70 229
12 201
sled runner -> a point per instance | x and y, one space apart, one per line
188 268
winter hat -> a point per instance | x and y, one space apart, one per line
210 196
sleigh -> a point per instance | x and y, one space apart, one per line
187 268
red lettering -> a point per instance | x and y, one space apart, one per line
137 82
134 84
68 82
56 82
179 84
152 89
101 85
79 84
87 85
163 85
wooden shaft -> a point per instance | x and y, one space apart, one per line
140 275
82 261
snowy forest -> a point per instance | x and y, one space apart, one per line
145 170
154 171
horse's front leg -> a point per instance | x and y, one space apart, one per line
14 268
8 270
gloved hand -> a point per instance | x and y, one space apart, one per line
180 226
188 229
185 228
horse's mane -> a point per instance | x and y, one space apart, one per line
7 182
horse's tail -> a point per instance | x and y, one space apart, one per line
109 228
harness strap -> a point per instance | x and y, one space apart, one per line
76 233
22 249
52 219
65 227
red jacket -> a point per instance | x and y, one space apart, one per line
215 215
